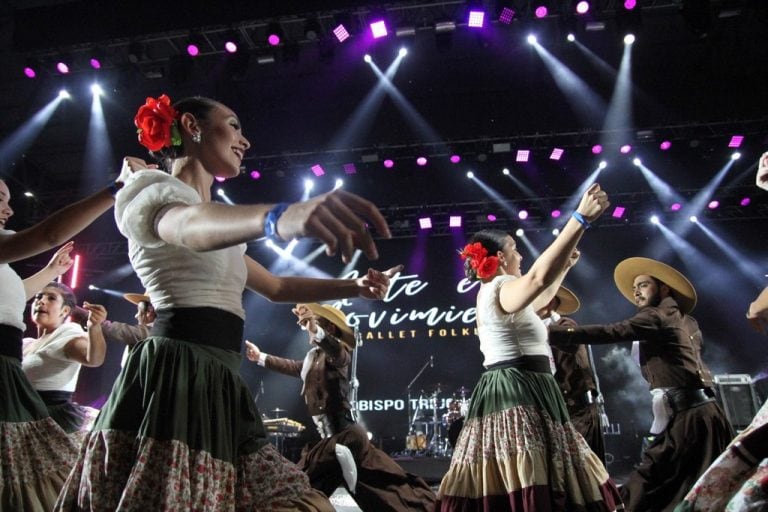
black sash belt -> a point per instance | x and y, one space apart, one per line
204 325
681 399
531 363
10 341
55 397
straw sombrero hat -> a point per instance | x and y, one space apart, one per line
337 318
569 303
135 298
627 270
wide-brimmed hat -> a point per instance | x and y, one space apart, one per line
627 270
569 303
136 298
337 318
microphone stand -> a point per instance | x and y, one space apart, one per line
354 384
408 393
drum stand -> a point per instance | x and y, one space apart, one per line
412 418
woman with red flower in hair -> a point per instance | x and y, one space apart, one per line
518 450
180 430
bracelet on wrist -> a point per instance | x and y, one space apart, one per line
270 222
114 187
581 220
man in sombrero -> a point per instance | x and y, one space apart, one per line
574 373
344 454
130 334
690 428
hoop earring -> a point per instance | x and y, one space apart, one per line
196 137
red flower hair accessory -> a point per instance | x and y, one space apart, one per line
156 123
484 266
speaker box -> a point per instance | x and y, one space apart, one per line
737 397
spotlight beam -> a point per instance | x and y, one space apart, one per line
748 269
22 138
619 118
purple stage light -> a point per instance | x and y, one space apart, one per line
745 201
350 168
541 11
425 223
95 63
455 159
29 72
555 214
630 4
507 15
736 141
255 174
62 68
675 207
491 217
618 212
522 155
597 149
713 204
454 221
318 170
273 39
230 46
557 153
341 33
665 145
522 214
582 7
421 161
193 50
476 19
378 29
389 163
625 149
220 179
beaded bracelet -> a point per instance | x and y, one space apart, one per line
270 222
581 220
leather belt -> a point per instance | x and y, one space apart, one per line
681 399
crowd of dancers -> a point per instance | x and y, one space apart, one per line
180 430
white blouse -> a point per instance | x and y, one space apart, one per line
44 362
175 276
503 335
12 295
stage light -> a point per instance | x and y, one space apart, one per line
522 214
349 168
92 287
665 145
582 7
531 39
736 156
597 149
555 232
637 162
556 154
476 19
470 174
507 15
29 72
62 67
629 39
519 233
618 212
571 38
541 11
403 52
338 184
255 174
555 214
522 155
230 46
630 4
425 223
367 58
318 170
714 204
454 221
96 90
28 194
745 201
505 171
220 179
455 159
654 219
693 219
194 43
220 192
75 278
736 141
626 148
603 164
389 163
309 185
442 27
64 94
274 34
95 63
421 161
491 217
378 29
675 207
341 33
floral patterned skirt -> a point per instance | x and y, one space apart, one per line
518 451
180 432
36 455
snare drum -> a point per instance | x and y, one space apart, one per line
416 441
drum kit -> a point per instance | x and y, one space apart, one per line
437 421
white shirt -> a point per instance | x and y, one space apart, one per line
175 276
12 295
44 362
